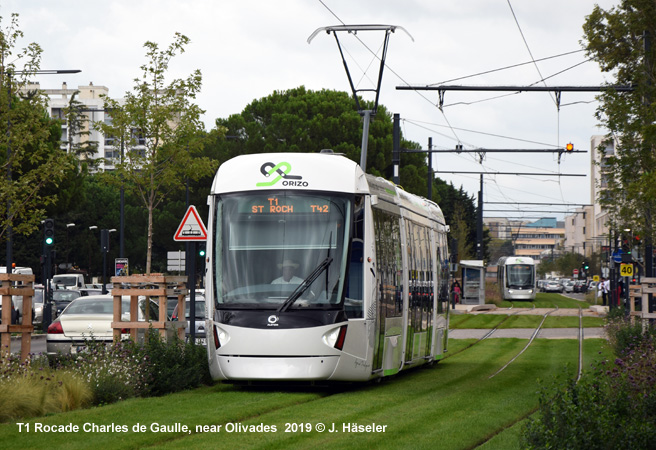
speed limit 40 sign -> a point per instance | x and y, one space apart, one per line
626 270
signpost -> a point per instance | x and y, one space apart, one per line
192 230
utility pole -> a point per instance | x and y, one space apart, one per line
430 168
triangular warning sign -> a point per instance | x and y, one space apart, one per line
191 228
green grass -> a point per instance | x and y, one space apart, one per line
485 321
547 300
452 405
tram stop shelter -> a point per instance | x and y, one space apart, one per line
473 282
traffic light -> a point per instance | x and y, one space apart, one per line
49 232
569 147
586 266
201 249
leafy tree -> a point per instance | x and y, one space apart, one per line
158 125
619 39
78 132
298 120
32 164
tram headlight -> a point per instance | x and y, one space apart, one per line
220 337
335 338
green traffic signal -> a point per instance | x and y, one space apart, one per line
201 250
49 232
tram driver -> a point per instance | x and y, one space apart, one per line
288 268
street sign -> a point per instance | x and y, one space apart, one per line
617 255
191 228
575 272
175 261
626 270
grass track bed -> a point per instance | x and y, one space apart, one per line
452 405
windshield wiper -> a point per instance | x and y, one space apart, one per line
305 284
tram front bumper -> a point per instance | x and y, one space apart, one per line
277 368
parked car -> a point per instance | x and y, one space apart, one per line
553 286
581 286
62 297
569 286
201 337
38 306
87 318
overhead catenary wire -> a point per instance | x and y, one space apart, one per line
454 130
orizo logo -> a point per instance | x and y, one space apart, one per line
282 170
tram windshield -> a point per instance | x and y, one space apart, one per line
520 275
280 250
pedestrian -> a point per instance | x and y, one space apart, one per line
605 289
455 288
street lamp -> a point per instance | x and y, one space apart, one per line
9 73
68 247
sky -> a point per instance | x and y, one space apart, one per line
248 49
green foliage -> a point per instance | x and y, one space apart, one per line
30 389
299 120
613 396
37 164
127 369
159 126
174 366
616 39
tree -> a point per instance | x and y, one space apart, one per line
78 132
33 163
158 126
619 39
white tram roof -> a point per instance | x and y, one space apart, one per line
293 171
316 172
516 260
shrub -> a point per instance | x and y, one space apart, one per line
174 366
30 389
624 335
114 372
614 396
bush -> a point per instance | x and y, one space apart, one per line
31 389
624 335
114 372
613 406
174 366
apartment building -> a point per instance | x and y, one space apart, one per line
586 230
109 151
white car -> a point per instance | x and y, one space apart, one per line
553 286
569 286
90 318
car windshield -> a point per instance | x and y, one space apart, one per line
65 296
90 305
200 309
66 281
267 245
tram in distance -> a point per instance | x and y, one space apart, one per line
516 278
319 272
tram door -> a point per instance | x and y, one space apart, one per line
388 351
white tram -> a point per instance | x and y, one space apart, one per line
317 271
516 278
